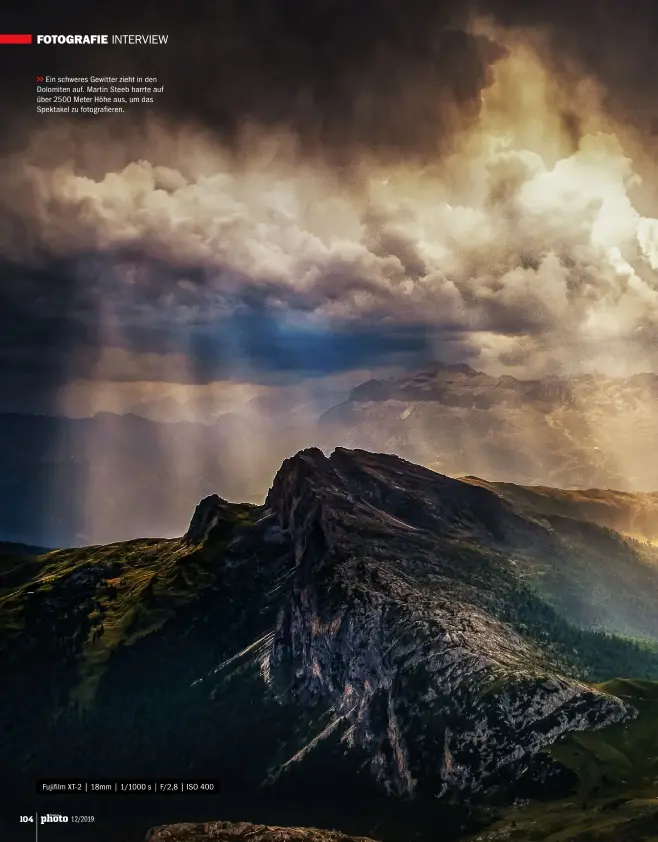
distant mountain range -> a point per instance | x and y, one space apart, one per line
580 432
68 482
112 477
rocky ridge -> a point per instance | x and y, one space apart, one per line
395 622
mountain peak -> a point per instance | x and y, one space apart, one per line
314 492
456 368
206 516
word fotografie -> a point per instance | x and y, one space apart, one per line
102 39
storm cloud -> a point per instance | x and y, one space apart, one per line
322 189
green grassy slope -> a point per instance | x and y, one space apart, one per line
77 606
616 797
173 687
584 562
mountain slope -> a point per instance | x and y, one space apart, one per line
633 514
587 566
374 625
616 775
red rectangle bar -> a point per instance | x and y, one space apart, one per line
15 39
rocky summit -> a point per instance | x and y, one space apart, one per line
398 620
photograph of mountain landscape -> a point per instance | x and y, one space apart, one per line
328 424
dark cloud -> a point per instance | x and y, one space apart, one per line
53 332
388 77
615 41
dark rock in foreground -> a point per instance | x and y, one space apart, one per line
228 831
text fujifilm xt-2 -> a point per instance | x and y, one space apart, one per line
124 786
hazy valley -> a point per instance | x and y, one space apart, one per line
109 477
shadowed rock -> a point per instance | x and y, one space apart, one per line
210 511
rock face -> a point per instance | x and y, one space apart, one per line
229 831
398 622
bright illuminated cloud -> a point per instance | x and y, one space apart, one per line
525 242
